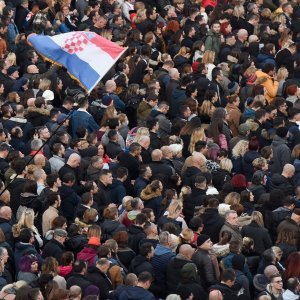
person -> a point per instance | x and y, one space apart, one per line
51 213
275 287
292 289
204 262
55 247
231 225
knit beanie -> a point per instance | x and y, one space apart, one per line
202 238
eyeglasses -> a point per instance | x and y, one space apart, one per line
278 281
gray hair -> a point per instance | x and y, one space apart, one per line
36 144
164 238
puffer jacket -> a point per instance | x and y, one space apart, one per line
88 254
141 264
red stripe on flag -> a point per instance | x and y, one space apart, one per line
107 46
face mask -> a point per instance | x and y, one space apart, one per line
96 219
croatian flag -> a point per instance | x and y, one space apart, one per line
86 55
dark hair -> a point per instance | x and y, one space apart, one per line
145 249
268 67
51 179
52 197
30 186
121 172
25 235
253 144
216 129
228 275
79 266
195 223
144 277
141 219
18 165
69 177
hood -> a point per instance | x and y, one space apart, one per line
189 272
155 113
260 282
289 295
209 216
261 74
161 250
23 246
278 141
250 156
148 194
109 226
35 110
87 254
76 242
132 214
27 198
138 260
133 229
64 270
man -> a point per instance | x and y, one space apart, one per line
82 118
172 84
252 22
227 47
164 123
292 289
231 225
113 148
55 247
266 55
53 199
242 37
266 75
98 275
117 188
103 198
287 9
71 166
110 88
175 265
78 276
283 181
275 288
5 224
153 126
285 58
293 225
188 40
244 131
140 291
164 77
132 160
225 286
213 40
204 261
145 107
33 73
142 262
162 255
40 176
196 198
4 150
94 168
136 232
57 160
69 198
216 84
144 141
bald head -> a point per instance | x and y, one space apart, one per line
5 212
288 171
39 160
156 155
32 69
174 73
30 102
186 250
270 271
110 86
74 160
166 152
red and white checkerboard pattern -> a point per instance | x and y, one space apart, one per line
76 43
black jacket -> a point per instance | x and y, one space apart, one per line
102 198
15 188
80 280
165 219
5 226
189 176
131 163
99 279
173 272
205 268
109 227
196 198
141 264
213 223
139 185
260 235
227 292
282 183
53 248
135 234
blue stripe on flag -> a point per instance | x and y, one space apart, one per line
77 67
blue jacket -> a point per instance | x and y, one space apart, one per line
118 103
83 119
117 191
134 293
162 255
263 59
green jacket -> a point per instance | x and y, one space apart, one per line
213 42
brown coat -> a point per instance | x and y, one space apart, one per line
234 118
48 216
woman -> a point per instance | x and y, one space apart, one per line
90 252
292 266
216 133
257 232
221 249
247 200
65 267
124 253
57 88
172 216
102 153
198 50
286 242
132 100
182 57
234 113
258 185
286 38
223 174
152 196
206 110
238 18
174 43
208 59
27 221
296 163
43 86
238 153
282 75
50 266
111 223
198 134
28 268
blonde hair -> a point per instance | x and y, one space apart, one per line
11 57
238 11
185 190
226 164
277 251
186 235
183 51
197 135
208 57
30 170
89 215
257 217
122 118
94 231
240 148
259 162
174 206
26 221
282 73
205 108
232 198
45 84
140 14
296 152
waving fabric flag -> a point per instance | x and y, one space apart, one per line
86 55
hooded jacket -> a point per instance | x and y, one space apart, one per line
135 235
88 254
135 293
109 227
151 199
141 264
281 154
37 116
270 85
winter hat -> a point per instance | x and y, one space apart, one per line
232 87
107 100
282 132
94 241
243 129
202 238
61 118
189 271
91 290
11 70
270 271
238 262
48 95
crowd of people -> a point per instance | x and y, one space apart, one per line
177 177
